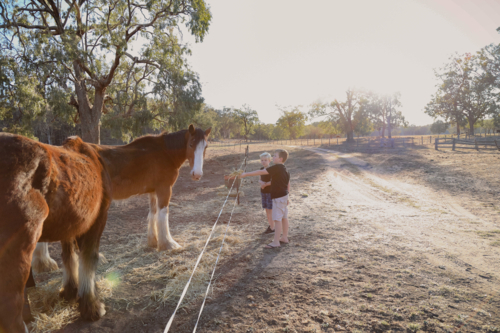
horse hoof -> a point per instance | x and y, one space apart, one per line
68 293
152 242
92 311
168 246
44 265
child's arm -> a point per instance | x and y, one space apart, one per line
254 173
264 184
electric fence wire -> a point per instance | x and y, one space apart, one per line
216 261
203 251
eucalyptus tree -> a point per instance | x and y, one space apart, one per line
120 58
292 121
466 91
248 119
383 111
342 113
228 123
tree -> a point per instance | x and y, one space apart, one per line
207 117
292 121
466 92
439 127
248 118
228 124
444 105
381 109
80 53
342 112
329 128
263 131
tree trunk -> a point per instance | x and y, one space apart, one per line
471 127
90 116
383 131
350 136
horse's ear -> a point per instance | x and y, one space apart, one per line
191 129
207 132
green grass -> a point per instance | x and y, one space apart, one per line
413 327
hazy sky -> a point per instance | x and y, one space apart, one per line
287 53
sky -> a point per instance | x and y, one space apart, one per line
271 54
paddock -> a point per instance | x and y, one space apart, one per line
362 255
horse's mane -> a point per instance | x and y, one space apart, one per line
175 141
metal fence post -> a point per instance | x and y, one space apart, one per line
453 147
436 143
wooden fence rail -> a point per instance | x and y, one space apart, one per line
454 143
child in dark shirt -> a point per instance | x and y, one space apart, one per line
280 187
265 192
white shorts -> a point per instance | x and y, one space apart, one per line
280 208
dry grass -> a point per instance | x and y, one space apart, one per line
131 263
50 311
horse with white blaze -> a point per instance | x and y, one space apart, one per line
52 193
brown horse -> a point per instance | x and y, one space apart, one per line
50 193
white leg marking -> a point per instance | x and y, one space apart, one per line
86 277
165 240
152 232
152 220
197 171
102 259
41 261
87 284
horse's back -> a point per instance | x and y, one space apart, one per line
68 180
24 166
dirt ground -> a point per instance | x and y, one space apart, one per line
393 241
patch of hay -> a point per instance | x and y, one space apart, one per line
235 172
52 312
140 277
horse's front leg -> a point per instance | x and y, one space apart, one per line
165 240
42 262
90 306
152 220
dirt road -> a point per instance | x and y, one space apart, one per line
371 252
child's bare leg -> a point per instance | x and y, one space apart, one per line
284 238
269 213
277 233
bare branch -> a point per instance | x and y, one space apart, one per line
141 61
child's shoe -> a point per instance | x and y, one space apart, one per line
269 230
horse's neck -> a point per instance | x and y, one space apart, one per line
133 168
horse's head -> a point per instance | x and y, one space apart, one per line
197 143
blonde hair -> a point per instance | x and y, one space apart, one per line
266 154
